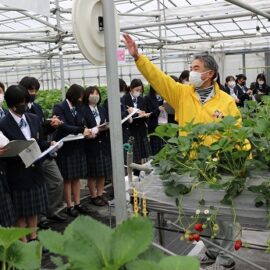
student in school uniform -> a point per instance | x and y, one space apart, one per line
27 185
71 157
3 111
52 174
138 125
98 149
123 89
154 106
7 214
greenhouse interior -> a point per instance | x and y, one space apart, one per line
135 134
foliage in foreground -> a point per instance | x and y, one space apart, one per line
88 244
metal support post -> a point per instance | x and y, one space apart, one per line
61 62
114 110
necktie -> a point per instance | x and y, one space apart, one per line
134 100
95 113
73 111
2 114
22 123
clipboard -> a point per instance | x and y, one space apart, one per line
135 110
14 148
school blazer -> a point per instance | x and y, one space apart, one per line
152 106
138 126
241 95
37 110
102 141
19 177
71 125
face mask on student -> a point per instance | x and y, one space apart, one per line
260 82
136 94
93 99
231 84
1 99
195 78
20 109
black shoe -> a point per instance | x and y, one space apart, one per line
72 212
104 199
82 209
44 224
98 201
57 218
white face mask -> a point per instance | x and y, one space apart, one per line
93 99
195 78
260 82
1 99
231 84
136 94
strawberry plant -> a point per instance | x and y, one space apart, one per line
127 247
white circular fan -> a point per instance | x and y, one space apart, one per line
86 22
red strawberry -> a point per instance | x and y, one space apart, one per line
198 227
196 237
237 244
190 238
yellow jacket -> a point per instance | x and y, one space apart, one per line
185 100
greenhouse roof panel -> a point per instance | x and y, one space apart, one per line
204 22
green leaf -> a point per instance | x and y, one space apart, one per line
96 234
179 263
24 255
10 235
143 265
152 254
90 256
131 238
53 241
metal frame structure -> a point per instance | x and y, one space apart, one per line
156 24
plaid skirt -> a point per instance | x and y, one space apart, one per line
99 166
72 166
141 148
156 144
30 202
7 214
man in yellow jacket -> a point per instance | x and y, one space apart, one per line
202 102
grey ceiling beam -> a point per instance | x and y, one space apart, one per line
192 20
55 27
213 39
29 39
139 6
138 15
250 8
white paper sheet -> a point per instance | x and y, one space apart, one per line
135 110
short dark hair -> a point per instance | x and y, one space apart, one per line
184 76
2 86
74 92
152 91
229 78
261 76
240 76
136 83
30 83
209 62
90 90
15 95
123 86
